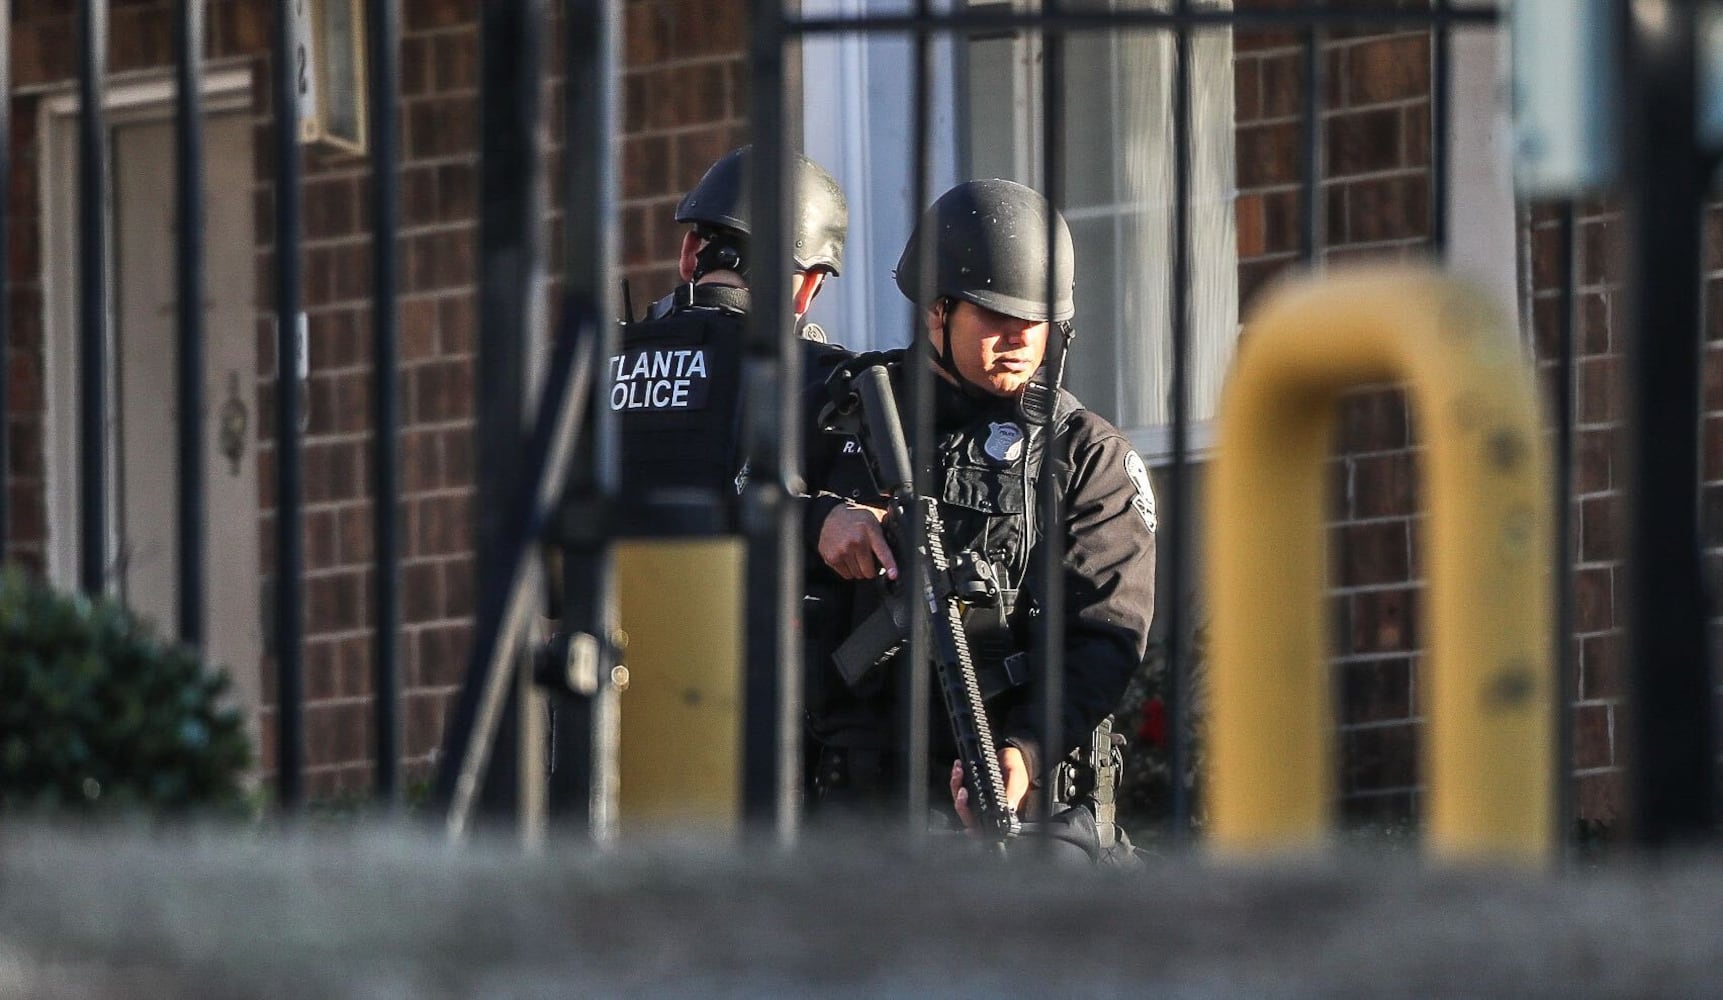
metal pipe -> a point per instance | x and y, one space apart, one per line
1051 694
1178 652
916 681
289 536
188 170
584 756
1671 741
1564 618
511 52
5 272
990 19
1442 45
771 756
384 68
1310 209
92 296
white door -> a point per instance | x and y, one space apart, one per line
143 404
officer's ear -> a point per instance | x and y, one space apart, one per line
936 316
688 261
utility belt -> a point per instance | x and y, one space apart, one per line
884 631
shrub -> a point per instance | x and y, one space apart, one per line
98 715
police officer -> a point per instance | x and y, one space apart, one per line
989 331
677 382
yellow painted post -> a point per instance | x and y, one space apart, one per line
680 753
1485 682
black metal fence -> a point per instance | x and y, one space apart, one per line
1664 191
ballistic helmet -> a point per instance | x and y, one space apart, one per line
991 249
718 206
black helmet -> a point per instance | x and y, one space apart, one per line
720 201
992 251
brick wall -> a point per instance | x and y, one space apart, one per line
685 97
685 103
1594 654
1376 188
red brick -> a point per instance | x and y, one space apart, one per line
455 61
1392 208
1600 524
1600 244
1388 69
1247 209
1364 141
421 592
1384 621
1375 553
1267 154
1600 667
1282 85
695 151
458 588
1594 600
1281 221
457 324
1598 391
1375 690
1378 757
1247 90
457 198
429 15
647 32
1600 797
320 540
1384 485
1593 741
353 526
1415 123
1594 457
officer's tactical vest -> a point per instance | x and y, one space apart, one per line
674 388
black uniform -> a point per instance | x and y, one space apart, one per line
677 390
990 457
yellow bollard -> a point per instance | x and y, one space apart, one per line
1485 683
680 754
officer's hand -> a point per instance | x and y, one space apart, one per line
853 544
1016 785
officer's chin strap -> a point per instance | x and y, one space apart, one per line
947 362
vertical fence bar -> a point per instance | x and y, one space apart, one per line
289 538
510 55
1442 59
92 296
771 755
1178 633
1564 407
916 682
585 755
384 66
1052 508
1673 762
188 169
1310 208
5 273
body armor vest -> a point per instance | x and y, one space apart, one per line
989 499
675 388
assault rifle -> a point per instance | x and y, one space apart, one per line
864 405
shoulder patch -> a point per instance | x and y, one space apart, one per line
1144 501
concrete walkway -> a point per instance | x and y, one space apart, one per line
370 914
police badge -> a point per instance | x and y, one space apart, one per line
1004 442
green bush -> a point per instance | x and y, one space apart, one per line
99 716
